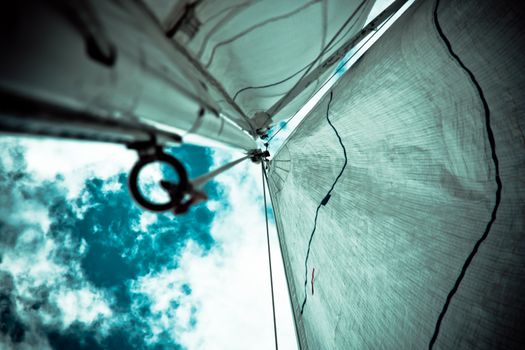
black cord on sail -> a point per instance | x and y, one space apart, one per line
323 202
492 142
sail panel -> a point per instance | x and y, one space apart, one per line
258 50
416 189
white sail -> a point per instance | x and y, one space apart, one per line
258 50
389 189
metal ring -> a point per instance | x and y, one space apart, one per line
175 197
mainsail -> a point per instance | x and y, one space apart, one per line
410 178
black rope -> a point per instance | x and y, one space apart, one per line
492 142
323 201
269 256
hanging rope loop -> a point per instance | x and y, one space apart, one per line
183 193
178 191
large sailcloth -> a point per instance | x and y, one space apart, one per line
400 199
258 50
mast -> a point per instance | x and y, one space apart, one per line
105 64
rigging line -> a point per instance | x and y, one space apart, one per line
220 12
283 250
258 25
490 135
269 255
214 82
328 47
233 11
335 73
323 201
238 92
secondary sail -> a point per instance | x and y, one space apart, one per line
258 50
404 189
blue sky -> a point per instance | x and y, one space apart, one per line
83 267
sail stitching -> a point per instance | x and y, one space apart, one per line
323 201
495 160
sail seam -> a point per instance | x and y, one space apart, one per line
495 160
322 203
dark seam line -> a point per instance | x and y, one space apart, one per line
275 182
283 169
492 142
320 204
279 176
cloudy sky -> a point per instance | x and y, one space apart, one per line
82 267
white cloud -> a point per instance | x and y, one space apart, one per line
83 305
46 286
76 161
34 265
